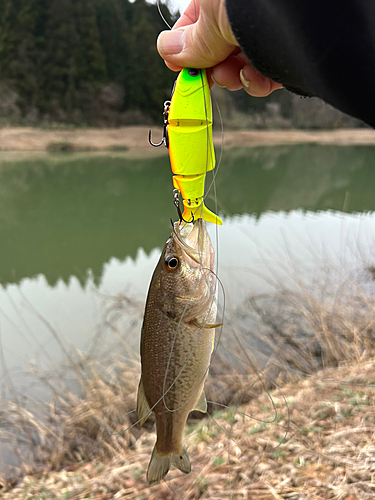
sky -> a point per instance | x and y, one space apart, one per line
174 5
179 4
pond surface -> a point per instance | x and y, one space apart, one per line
77 231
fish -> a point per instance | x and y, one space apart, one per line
177 340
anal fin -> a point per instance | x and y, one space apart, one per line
201 404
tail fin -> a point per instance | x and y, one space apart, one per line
160 464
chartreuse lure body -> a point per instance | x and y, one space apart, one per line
189 140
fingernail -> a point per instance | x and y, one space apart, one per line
218 84
245 82
171 42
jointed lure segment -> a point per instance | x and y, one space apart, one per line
188 136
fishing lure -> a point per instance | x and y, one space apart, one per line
188 137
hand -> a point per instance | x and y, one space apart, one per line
202 38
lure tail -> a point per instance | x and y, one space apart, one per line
160 464
191 188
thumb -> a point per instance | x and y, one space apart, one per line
197 45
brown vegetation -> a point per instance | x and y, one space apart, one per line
287 430
308 440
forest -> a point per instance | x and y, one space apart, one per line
95 63
81 61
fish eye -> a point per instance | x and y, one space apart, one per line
194 72
171 263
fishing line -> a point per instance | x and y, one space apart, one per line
161 14
244 414
166 390
216 170
200 242
212 293
267 392
209 154
205 278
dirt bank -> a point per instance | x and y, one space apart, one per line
135 139
343 137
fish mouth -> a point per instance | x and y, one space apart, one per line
193 238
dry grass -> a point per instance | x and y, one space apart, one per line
294 332
86 404
289 432
320 446
75 426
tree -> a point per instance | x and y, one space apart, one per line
20 50
74 61
113 22
57 55
148 82
89 56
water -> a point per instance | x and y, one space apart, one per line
76 231
80 236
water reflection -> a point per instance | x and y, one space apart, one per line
64 217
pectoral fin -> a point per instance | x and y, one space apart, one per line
201 404
143 408
206 325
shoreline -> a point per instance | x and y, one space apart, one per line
133 141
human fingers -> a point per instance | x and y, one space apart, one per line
191 47
255 83
201 44
227 73
236 72
190 16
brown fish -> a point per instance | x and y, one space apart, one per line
176 343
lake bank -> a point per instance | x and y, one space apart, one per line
134 140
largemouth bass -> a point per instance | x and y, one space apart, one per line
176 343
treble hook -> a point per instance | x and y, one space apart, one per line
176 202
164 139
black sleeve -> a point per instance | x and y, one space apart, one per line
323 48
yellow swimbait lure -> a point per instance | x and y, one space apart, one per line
188 137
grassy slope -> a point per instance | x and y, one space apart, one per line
328 452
